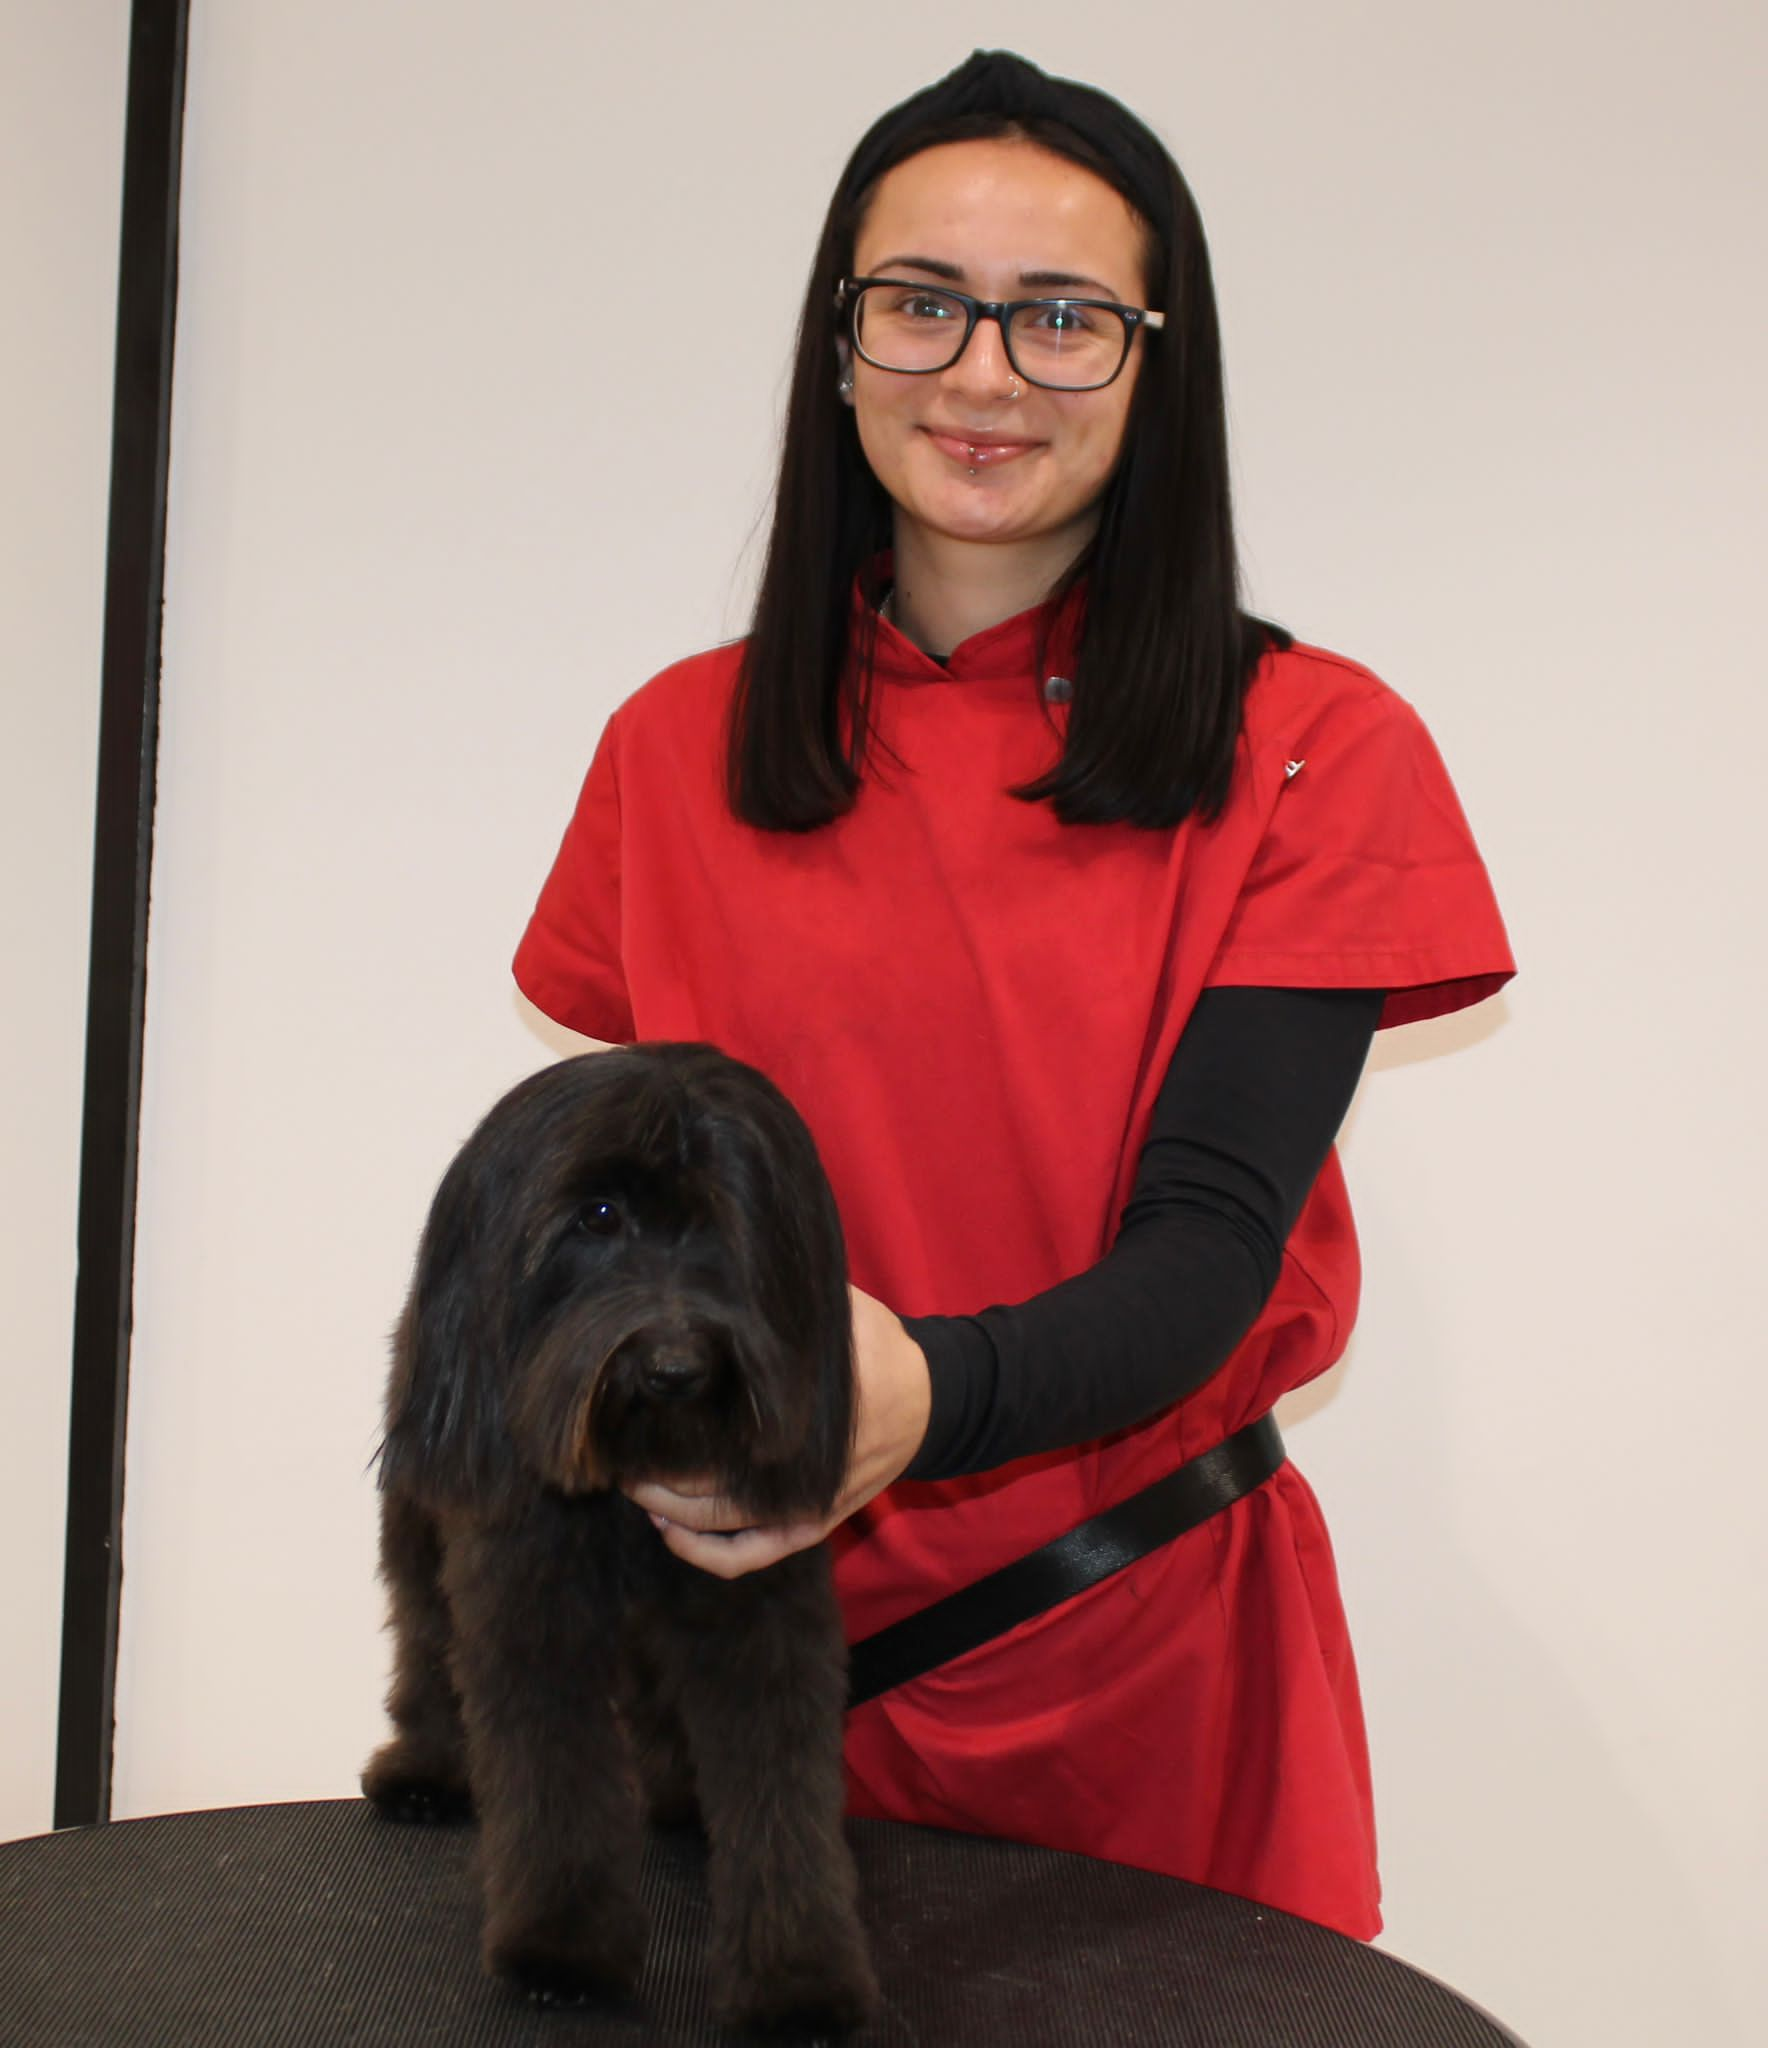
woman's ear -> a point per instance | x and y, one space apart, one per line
844 356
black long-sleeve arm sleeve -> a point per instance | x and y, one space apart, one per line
1258 1086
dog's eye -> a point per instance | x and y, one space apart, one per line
600 1219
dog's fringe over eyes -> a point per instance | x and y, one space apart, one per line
633 1269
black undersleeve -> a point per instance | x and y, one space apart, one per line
1258 1086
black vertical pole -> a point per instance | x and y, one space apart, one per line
147 285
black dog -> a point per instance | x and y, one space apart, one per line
633 1269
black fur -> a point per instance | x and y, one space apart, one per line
633 1269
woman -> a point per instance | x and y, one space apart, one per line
1063 899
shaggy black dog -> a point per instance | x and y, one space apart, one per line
633 1269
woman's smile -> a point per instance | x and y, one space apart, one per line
981 452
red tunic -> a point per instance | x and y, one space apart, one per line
973 1007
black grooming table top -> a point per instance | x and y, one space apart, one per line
321 1925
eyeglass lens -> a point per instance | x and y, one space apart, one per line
912 327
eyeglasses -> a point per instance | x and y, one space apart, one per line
1062 344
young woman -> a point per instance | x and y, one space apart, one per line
1063 898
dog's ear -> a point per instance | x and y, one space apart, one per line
830 1442
800 1276
445 1440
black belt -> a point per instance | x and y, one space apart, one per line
973 1615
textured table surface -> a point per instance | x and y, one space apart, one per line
319 1924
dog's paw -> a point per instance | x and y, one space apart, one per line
428 1806
398 1792
826 1992
572 1957
545 1980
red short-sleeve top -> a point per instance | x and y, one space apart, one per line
973 1007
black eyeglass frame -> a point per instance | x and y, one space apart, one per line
1001 312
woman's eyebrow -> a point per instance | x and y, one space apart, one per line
1060 280
1038 280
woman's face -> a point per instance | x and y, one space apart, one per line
957 453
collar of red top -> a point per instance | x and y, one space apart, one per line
1004 653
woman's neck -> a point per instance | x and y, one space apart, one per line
945 589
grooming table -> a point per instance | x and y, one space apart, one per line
321 1925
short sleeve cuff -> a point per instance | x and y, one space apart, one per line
576 997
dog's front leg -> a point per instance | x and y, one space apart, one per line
535 1605
759 1676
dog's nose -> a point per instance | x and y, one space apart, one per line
673 1374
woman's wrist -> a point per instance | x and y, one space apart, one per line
961 1366
894 1394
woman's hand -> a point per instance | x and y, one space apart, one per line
892 1397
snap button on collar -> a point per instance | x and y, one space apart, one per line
1057 689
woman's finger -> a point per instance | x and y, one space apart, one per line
747 1550
692 1509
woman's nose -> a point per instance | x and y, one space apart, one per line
982 373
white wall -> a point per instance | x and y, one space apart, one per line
1492 337
63 72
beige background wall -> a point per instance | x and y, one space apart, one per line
63 73
1493 330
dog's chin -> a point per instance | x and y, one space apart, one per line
630 1438
631 1442
615 1443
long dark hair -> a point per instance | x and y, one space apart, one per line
1165 653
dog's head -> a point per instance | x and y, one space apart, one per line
634 1268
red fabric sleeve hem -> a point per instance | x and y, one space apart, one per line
1419 985
567 1002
